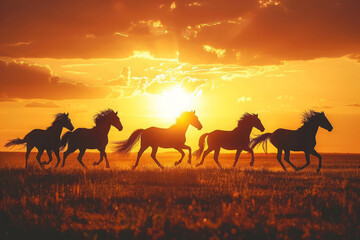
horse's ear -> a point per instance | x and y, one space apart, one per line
116 112
257 114
67 114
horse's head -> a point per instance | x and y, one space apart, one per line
115 121
257 123
317 119
252 120
64 121
191 118
108 117
324 122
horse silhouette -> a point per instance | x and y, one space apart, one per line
48 139
172 137
302 139
94 138
237 139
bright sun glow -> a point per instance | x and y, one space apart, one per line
172 102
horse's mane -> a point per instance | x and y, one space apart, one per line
308 116
246 117
59 117
101 116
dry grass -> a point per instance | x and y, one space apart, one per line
262 202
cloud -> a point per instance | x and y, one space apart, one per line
244 99
157 87
24 80
42 105
241 32
323 107
123 80
353 105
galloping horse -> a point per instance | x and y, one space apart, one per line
48 139
94 138
237 139
173 137
302 139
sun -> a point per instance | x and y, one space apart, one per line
172 102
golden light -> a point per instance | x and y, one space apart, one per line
171 103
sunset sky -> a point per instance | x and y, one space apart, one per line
150 60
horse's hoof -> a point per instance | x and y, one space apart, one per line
251 164
133 168
176 163
95 164
317 170
198 165
107 166
189 161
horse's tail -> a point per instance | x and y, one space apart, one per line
198 152
64 140
260 139
16 141
124 147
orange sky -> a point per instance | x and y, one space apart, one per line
222 58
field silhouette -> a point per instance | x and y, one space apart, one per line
262 202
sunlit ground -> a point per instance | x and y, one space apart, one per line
262 202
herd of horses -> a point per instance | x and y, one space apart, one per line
302 139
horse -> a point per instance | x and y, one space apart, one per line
172 137
302 139
237 139
48 139
94 138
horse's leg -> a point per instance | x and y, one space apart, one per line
188 148
38 156
287 159
248 149
28 150
216 157
207 151
48 151
316 154
100 160
107 162
66 154
182 156
56 151
80 156
142 149
279 159
153 155
307 157
237 155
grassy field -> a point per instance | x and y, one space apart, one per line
261 202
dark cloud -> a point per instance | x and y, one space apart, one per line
244 32
42 105
26 81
